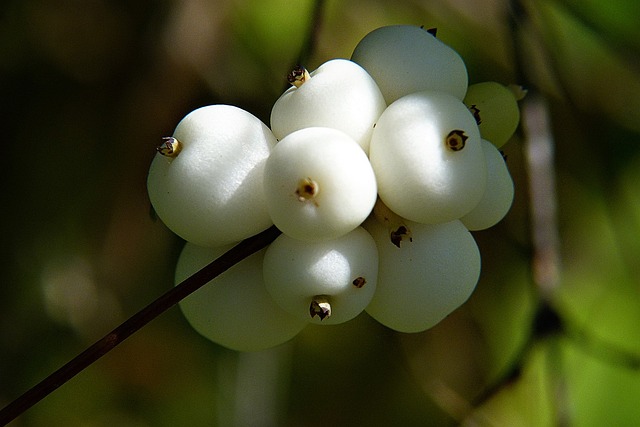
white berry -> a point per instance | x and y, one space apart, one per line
319 184
424 278
403 59
326 282
428 159
498 196
339 94
234 309
211 192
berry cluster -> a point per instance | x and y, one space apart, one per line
374 169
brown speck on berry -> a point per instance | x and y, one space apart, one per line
456 140
359 282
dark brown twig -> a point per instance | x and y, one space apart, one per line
135 323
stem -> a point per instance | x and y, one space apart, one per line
165 301
136 322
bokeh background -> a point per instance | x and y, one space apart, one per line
89 87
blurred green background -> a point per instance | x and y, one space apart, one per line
89 87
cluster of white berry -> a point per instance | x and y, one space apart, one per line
374 169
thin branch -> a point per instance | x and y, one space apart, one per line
136 322
170 298
545 257
539 154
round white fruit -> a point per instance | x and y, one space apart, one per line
498 196
340 273
318 184
234 309
211 192
426 278
496 110
427 157
403 59
339 94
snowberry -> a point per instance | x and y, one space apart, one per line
319 184
375 170
425 277
428 159
234 309
339 94
495 108
403 59
498 195
205 183
326 282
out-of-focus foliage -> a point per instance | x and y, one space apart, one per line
89 87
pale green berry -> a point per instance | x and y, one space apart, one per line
495 108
